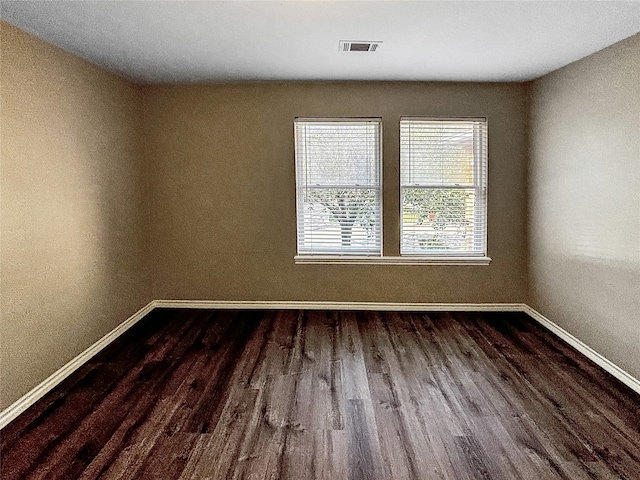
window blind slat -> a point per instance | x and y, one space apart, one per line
338 187
443 175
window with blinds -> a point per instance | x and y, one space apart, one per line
443 175
338 186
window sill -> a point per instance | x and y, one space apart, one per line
408 260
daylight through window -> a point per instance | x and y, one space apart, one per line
338 186
443 175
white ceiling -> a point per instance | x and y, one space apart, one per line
197 41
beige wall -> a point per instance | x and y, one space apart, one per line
72 216
584 182
223 192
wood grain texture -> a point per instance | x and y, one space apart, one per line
330 395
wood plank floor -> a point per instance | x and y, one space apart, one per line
190 394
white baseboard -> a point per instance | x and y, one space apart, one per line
313 305
48 384
604 363
63 372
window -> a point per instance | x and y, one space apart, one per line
338 187
443 190
442 187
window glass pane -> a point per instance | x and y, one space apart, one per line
443 170
437 153
438 220
338 220
339 153
338 187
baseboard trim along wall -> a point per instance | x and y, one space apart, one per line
304 305
48 384
604 363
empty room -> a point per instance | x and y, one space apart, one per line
319 239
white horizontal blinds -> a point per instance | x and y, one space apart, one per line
338 186
443 175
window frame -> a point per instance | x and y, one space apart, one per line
382 259
480 187
341 257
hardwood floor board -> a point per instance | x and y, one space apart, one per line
299 356
317 399
363 447
229 394
175 340
98 375
556 397
135 391
449 369
217 454
246 365
408 453
71 457
254 362
544 405
605 437
354 372
404 354
133 443
168 458
71 390
298 456
205 411
502 399
439 427
472 458
262 454
329 455
493 433
563 413
206 386
436 347
606 415
556 394
397 394
320 386
318 454
62 415
373 354
504 430
129 447
281 357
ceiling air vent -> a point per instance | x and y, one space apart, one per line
358 46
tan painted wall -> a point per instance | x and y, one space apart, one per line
73 217
584 179
223 187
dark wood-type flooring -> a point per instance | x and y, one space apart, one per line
194 394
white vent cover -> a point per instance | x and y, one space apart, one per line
358 46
